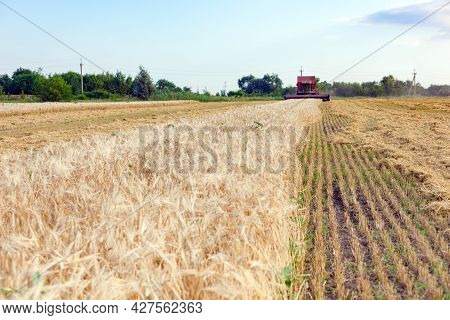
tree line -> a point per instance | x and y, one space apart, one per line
67 86
388 86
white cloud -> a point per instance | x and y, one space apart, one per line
408 15
411 14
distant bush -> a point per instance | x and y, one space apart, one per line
439 90
53 88
237 93
99 94
1 90
168 95
81 96
290 90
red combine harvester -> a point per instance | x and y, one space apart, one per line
306 89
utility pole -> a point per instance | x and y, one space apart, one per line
413 83
81 73
225 87
301 71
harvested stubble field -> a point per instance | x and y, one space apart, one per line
34 125
82 220
374 188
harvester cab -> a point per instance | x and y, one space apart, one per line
307 89
306 85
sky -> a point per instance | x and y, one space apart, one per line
210 44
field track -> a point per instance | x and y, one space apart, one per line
367 232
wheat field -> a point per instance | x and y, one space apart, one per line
287 200
82 220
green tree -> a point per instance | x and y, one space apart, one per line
246 84
268 84
344 89
372 89
273 83
388 83
143 86
323 86
259 87
166 85
109 83
400 88
23 80
74 80
122 84
117 83
53 88
93 82
5 82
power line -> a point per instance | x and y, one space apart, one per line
51 35
390 41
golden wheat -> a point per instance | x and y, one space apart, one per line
80 220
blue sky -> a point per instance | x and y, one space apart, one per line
203 43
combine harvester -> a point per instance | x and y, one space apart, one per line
306 89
